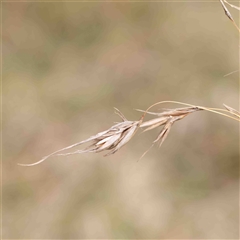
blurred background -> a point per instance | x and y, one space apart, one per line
66 65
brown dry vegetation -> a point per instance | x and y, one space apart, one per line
65 66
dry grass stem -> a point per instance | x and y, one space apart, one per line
231 5
228 74
232 111
228 14
119 134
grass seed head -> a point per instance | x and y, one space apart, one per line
112 139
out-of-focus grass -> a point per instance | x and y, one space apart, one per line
65 66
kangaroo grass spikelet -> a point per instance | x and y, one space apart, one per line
118 135
112 139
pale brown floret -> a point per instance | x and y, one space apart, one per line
166 118
112 139
153 123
